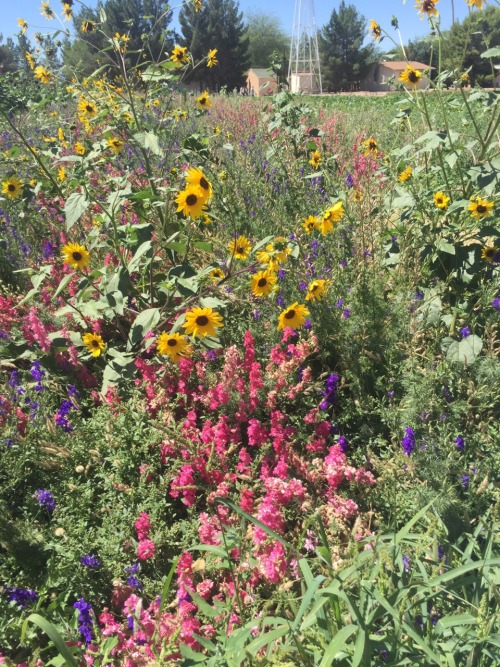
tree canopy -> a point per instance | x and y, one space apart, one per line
344 58
218 25
265 36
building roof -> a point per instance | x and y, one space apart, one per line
261 73
402 64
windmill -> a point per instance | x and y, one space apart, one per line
304 72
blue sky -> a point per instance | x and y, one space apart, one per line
410 24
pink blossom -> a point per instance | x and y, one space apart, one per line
142 526
145 550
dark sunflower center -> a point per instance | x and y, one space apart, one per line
202 320
439 200
427 5
262 282
481 209
490 252
203 100
95 343
240 249
172 342
11 187
191 200
204 183
77 256
314 288
413 77
89 109
290 314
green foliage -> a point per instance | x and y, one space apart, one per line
344 58
265 36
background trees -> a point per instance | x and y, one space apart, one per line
344 58
219 25
265 36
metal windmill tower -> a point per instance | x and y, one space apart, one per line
304 72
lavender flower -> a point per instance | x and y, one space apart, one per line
90 561
46 500
459 443
408 442
465 481
85 619
349 181
465 332
406 564
330 391
21 596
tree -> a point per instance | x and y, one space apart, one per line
344 58
8 59
265 36
144 22
466 41
219 25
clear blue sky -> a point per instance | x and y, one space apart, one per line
410 24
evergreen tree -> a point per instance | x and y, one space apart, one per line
219 25
344 58
265 36
144 22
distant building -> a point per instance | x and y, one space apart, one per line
380 73
261 82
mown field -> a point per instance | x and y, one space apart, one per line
250 377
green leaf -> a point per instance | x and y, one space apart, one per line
256 522
491 53
267 638
141 250
466 351
143 323
75 206
63 284
52 632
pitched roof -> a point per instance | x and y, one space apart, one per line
261 73
402 64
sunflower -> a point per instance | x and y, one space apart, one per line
198 5
180 54
488 252
405 174
30 60
480 208
76 255
86 108
87 26
203 101
275 253
316 290
191 201
196 177
427 7
410 76
371 147
174 345
46 11
43 74
61 174
216 275
116 145
375 30
310 223
202 322
441 200
12 187
94 343
478 4
23 25
315 160
240 247
79 148
212 58
67 12
294 316
333 214
263 282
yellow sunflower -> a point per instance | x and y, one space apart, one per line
441 200
174 345
12 187
203 101
315 160
76 255
405 174
427 8
375 30
478 4
43 74
212 58
371 147
198 5
294 316
410 75
116 145
489 252
87 108
61 174
240 247
87 26
94 343
180 54
263 282
310 223
333 214
196 177
202 322
191 201
316 290
480 208
216 275
79 148
46 11
23 25
30 60
67 12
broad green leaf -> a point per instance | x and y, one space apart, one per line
266 639
141 250
143 323
465 351
52 632
63 284
149 141
491 53
75 206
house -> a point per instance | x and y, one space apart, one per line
261 82
380 74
